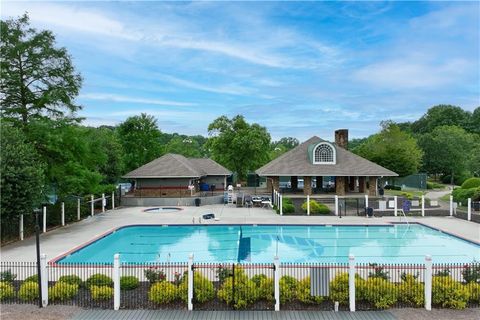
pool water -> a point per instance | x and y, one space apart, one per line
297 244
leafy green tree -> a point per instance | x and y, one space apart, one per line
353 144
37 79
140 138
447 150
22 178
442 115
474 126
393 149
283 145
185 146
238 145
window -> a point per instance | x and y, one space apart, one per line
324 153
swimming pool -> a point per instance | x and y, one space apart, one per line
162 209
396 243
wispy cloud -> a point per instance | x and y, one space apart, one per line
129 99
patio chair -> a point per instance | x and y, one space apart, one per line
248 201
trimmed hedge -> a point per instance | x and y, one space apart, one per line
471 183
28 291
6 290
287 206
101 292
99 280
128 282
316 208
163 292
71 279
62 291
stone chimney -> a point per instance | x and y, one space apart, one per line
341 138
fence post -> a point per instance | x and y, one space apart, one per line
451 205
308 205
104 202
113 200
276 278
281 205
21 227
423 205
116 281
78 209
44 219
190 282
63 214
92 206
469 209
351 281
336 205
395 206
428 282
366 201
44 279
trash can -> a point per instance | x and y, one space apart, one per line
197 202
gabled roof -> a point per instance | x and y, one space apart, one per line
296 163
177 166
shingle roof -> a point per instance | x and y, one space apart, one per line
176 166
296 163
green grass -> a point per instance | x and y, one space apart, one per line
415 193
445 198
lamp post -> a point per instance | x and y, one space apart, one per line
37 239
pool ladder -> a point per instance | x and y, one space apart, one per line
403 213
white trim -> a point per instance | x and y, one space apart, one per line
333 150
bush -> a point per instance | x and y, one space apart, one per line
304 294
266 289
287 206
316 208
101 292
378 272
473 292
153 275
7 276
223 273
245 290
461 195
128 283
390 187
288 289
339 288
458 179
379 292
434 185
471 273
471 183
411 291
71 279
99 280
449 293
62 291
203 288
33 278
163 292
28 291
6 290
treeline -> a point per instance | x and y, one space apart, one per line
444 142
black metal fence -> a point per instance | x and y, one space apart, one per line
228 286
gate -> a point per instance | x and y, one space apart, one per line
233 286
349 206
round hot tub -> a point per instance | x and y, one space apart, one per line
162 209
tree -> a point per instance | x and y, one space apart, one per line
37 79
185 146
447 150
283 145
238 145
22 179
474 125
353 144
139 136
441 115
393 149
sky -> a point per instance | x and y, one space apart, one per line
298 68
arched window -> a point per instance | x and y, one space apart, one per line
324 153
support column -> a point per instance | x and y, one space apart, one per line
308 205
78 209
469 209
21 227
451 205
428 282
116 281
351 282
276 279
340 186
190 283
372 186
44 279
92 205
361 184
104 202
273 182
294 182
44 219
113 200
423 205
63 214
307 185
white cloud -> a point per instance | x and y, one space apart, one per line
120 98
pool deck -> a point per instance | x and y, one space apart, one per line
62 240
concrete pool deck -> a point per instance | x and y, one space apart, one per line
62 240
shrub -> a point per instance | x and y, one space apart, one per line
163 292
339 288
203 288
33 278
316 208
28 291
266 289
473 292
471 183
71 279
245 290
471 273
449 293
62 291
379 292
458 179
390 187
411 291
378 272
6 290
223 273
101 292
461 195
128 283
288 288
99 280
7 276
304 294
153 275
287 206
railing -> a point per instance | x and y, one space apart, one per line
252 286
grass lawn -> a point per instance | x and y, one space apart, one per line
415 193
445 198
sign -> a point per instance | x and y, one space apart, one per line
407 204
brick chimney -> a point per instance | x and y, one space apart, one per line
341 138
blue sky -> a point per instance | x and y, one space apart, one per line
298 68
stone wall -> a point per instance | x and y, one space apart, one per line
307 185
340 186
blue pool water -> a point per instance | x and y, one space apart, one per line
247 243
